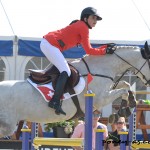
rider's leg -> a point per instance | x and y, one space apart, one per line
59 90
54 55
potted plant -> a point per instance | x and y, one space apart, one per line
62 129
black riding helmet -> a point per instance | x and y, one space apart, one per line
89 11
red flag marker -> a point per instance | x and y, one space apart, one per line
89 79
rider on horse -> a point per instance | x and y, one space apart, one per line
54 43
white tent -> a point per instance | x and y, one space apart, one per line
122 19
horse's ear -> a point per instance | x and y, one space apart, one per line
147 50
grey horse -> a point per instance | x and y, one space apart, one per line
21 101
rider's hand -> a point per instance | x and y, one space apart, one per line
110 50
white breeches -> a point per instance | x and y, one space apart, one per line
54 55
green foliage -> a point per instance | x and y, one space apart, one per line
64 124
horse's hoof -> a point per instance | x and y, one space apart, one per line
116 117
122 112
124 104
113 118
132 100
128 112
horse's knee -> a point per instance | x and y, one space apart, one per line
124 84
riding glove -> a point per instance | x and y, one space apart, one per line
110 50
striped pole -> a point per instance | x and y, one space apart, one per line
99 138
123 139
34 133
88 120
25 138
132 128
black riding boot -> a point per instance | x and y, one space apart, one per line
59 90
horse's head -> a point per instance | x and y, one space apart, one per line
144 71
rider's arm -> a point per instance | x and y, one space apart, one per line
87 46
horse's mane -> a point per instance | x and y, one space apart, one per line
127 47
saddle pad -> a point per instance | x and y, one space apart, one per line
47 90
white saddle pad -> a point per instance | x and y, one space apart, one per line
47 90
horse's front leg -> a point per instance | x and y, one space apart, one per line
128 102
116 93
123 84
127 99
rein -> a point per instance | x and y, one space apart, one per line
116 83
98 75
138 70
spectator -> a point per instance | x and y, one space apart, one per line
79 129
115 137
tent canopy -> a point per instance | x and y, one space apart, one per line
6 47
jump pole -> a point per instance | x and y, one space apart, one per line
88 126
88 120
25 138
99 138
34 133
132 128
141 92
39 141
123 139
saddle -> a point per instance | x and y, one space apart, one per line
51 74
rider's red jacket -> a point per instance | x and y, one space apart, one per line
72 35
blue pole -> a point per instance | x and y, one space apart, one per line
123 140
131 128
88 120
99 138
25 138
33 134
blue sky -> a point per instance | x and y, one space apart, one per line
122 19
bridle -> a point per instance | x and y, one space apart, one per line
146 82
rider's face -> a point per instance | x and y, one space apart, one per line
92 20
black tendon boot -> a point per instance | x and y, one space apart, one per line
59 90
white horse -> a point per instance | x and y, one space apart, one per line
21 101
